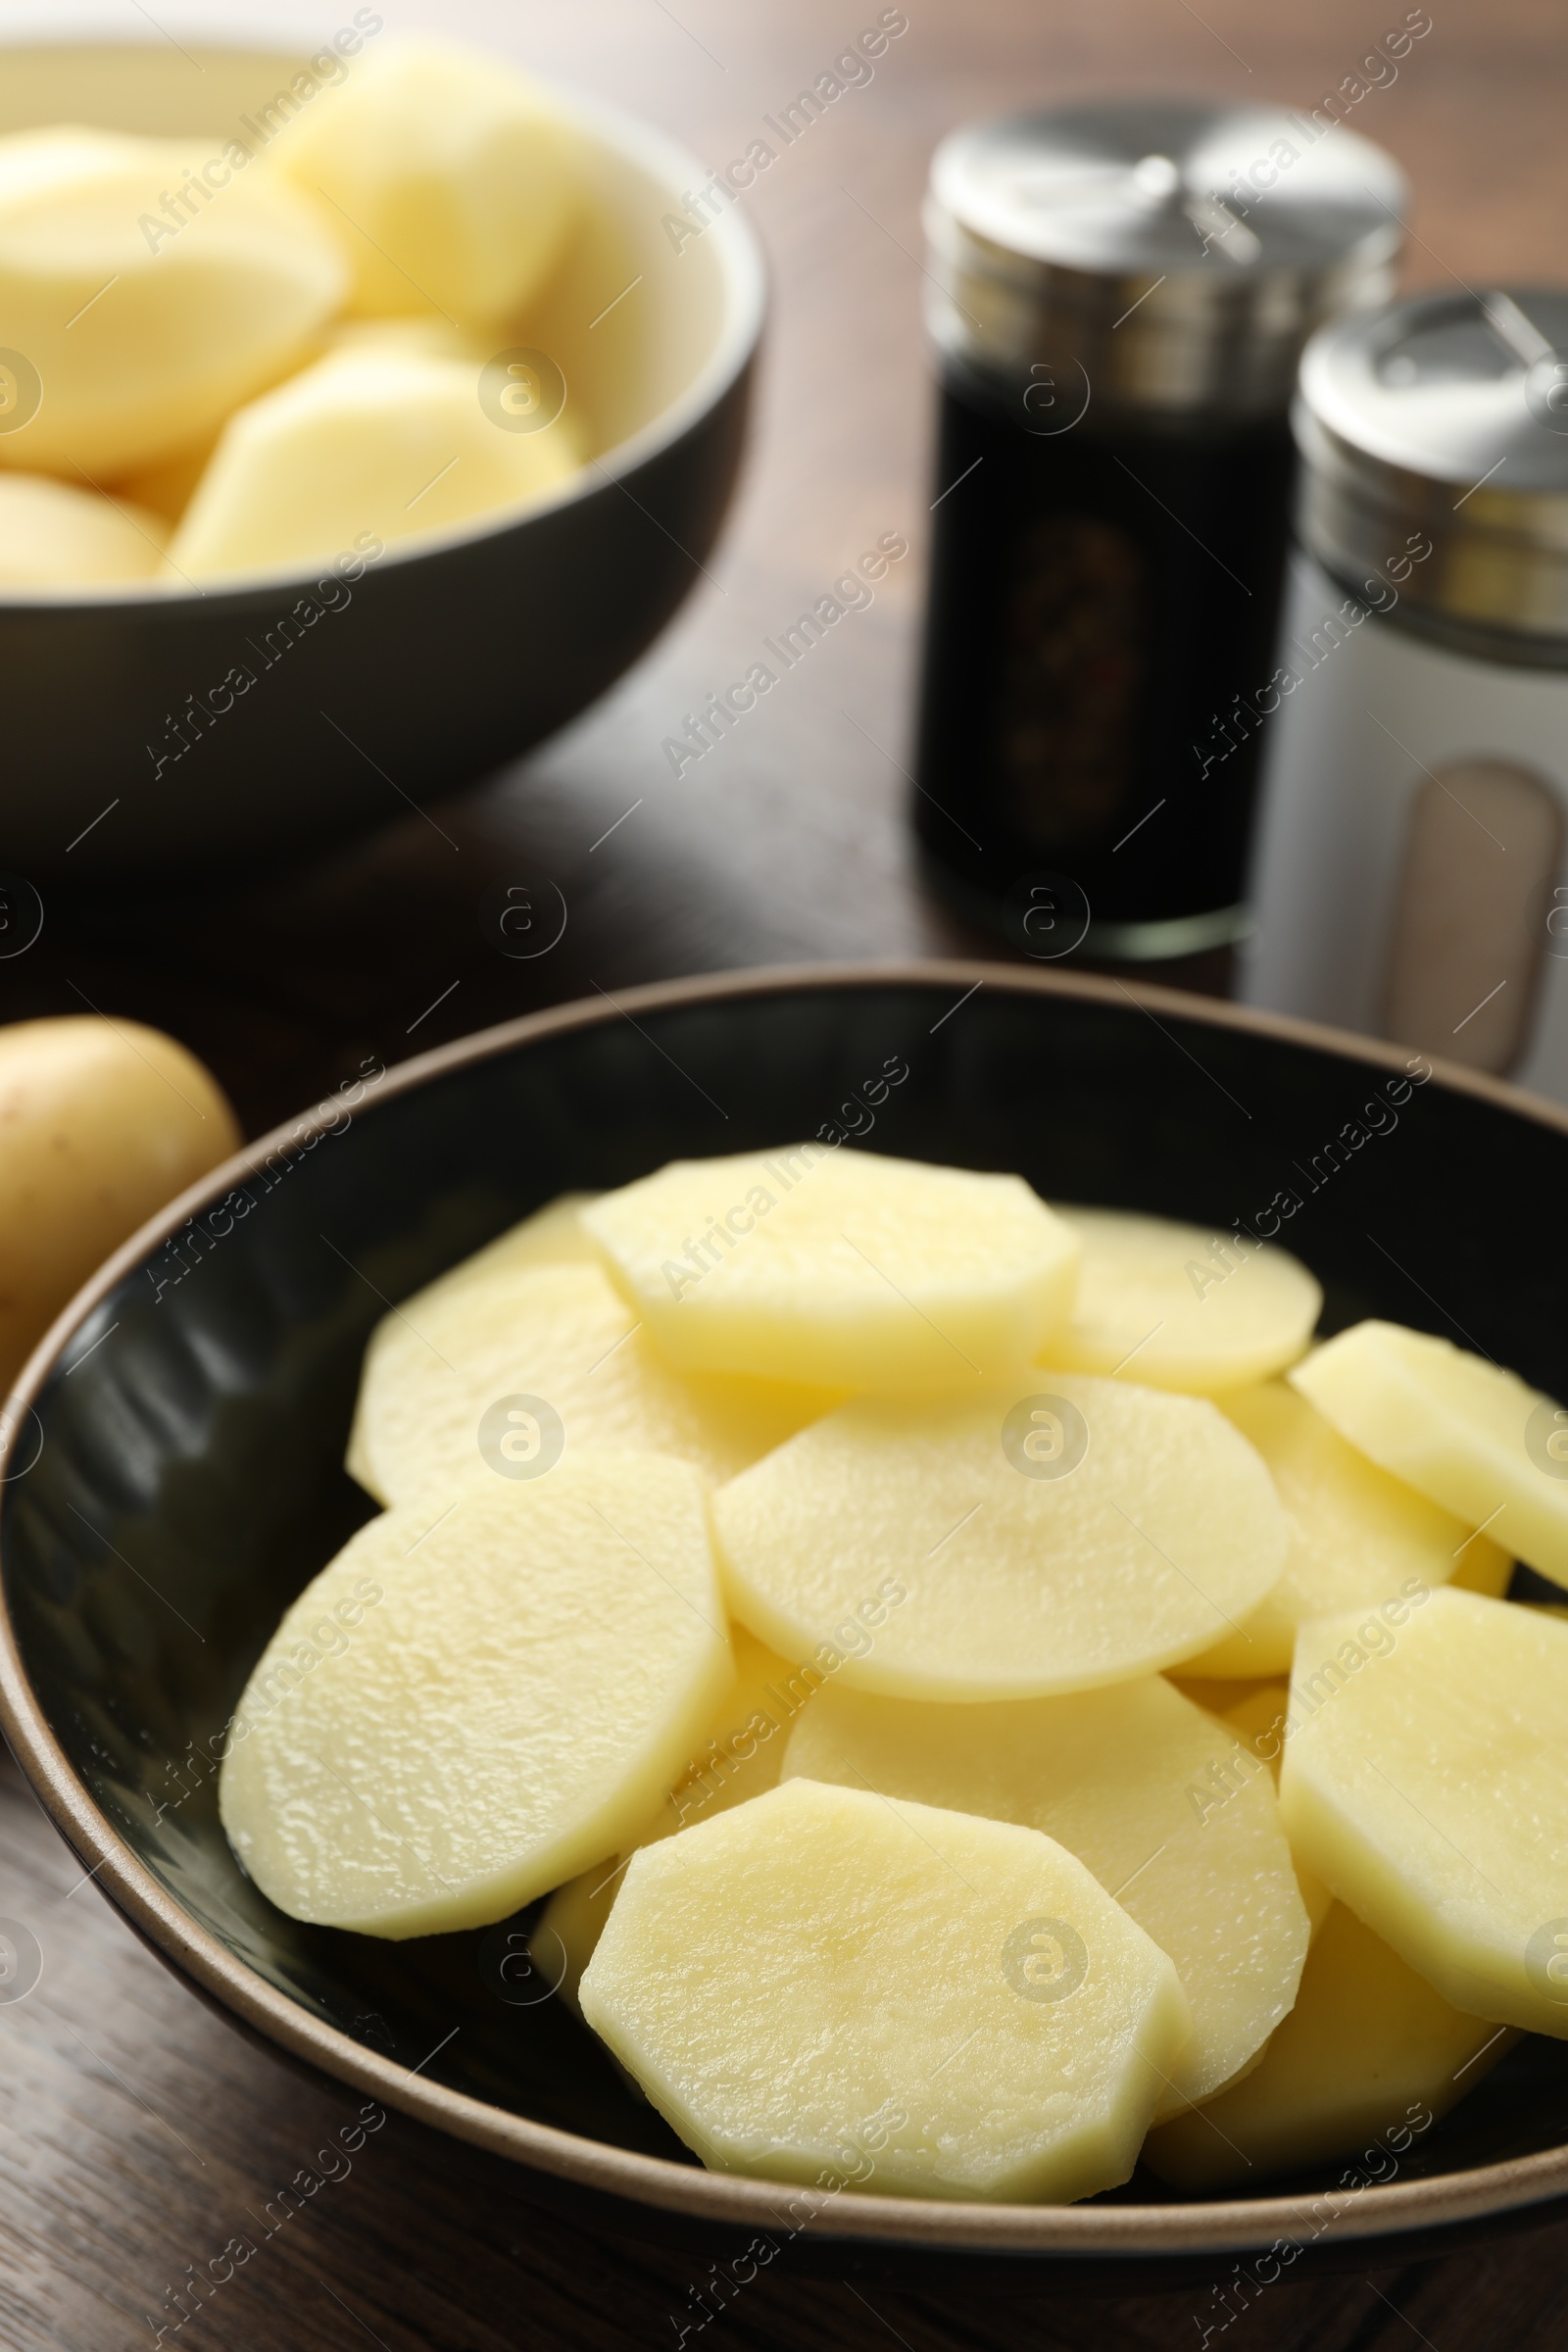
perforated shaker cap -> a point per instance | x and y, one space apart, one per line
1446 419
1162 255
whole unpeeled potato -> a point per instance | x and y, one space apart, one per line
101 1122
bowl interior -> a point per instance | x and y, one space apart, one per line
631 371
185 1478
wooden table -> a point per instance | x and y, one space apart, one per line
139 2129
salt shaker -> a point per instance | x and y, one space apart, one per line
1409 877
1118 299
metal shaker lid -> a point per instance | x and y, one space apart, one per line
1172 255
1445 417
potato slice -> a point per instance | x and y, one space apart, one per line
741 1755
55 536
556 1335
452 178
550 1237
1370 2053
1458 1429
1355 1533
793 1981
460 1711
371 441
146 304
1176 1819
1178 1307
1423 1780
1259 1721
1001 1544
825 1265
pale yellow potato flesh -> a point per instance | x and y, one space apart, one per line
104 1121
925 1523
451 179
146 328
526 1675
1423 1780
839 1266
1355 1533
368 444
550 1237
1180 1306
1369 2058
1176 1821
1469 1434
1259 1721
53 535
827 1986
559 1334
740 1755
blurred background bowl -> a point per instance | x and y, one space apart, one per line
453 653
174 1478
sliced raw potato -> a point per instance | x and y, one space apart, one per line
1003 1544
816 1265
1483 1567
1356 1534
55 536
450 179
1179 1307
1370 2053
792 1983
1175 1819
368 444
1464 1431
1259 1722
1423 1780
738 1755
550 1237
555 1335
461 1711
146 306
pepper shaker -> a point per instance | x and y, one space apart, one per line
1118 299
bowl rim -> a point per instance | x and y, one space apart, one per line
730 238
731 2200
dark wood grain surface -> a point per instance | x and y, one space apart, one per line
137 2131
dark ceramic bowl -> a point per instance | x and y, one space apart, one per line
448 655
175 1479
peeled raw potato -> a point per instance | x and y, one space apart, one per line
550 1237
55 536
387 441
556 1333
827 1987
1464 1431
1355 1533
145 328
1370 2054
738 1755
839 1266
104 1121
452 178
524 1676
1181 1307
1260 1723
1423 1780
1139 1526
1176 1822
